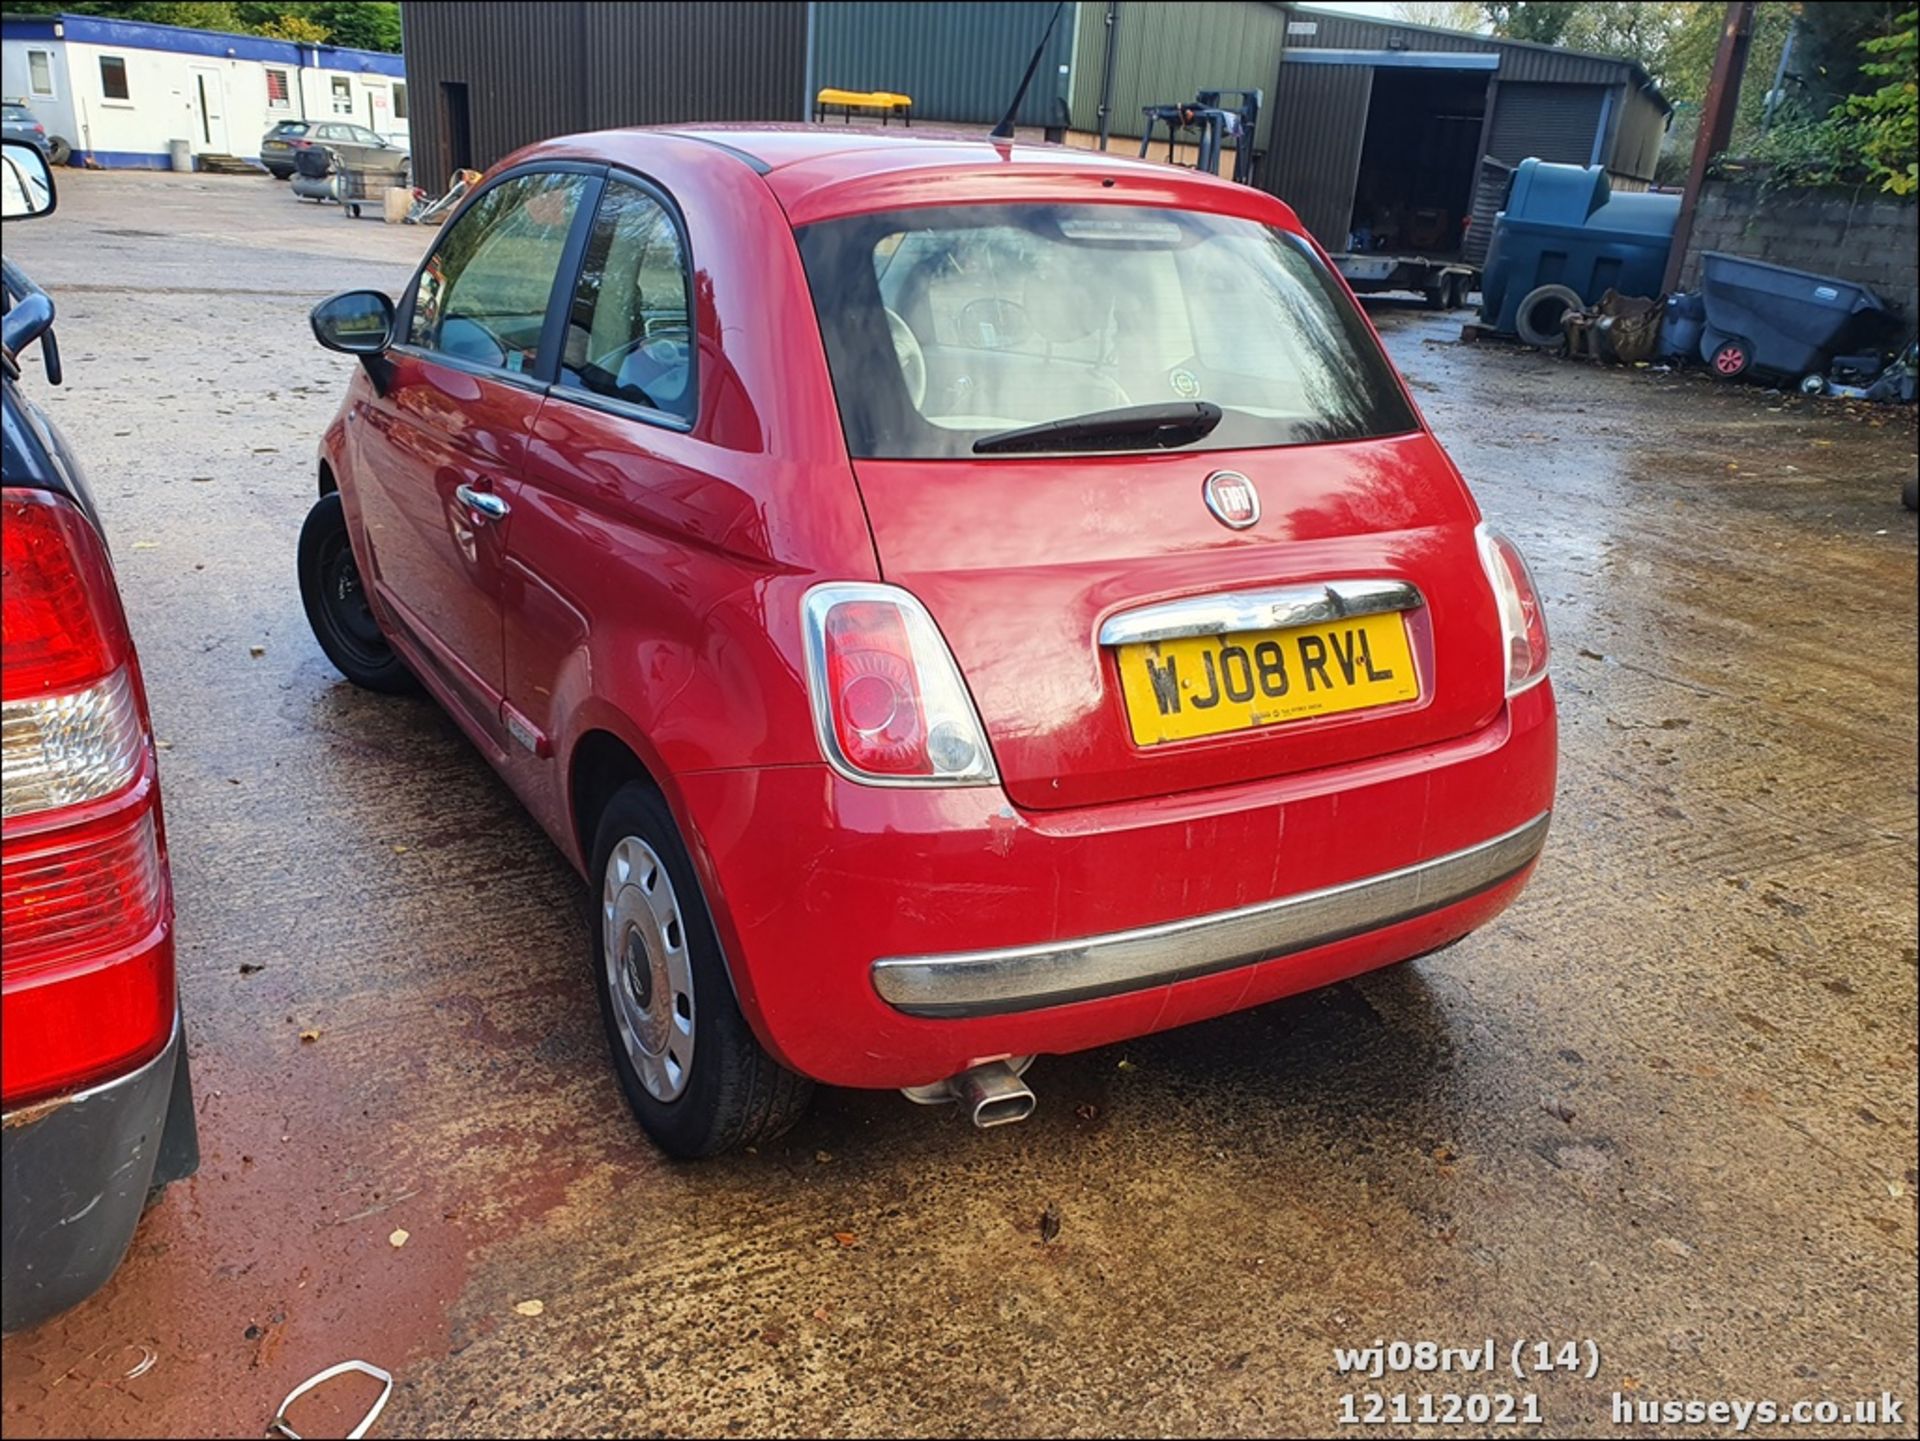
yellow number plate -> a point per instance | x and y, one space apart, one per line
1207 685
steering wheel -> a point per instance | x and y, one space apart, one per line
913 360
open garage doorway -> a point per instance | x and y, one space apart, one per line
1414 191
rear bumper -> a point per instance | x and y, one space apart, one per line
74 1178
1020 978
1000 932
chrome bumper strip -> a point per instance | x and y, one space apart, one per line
1236 611
1020 978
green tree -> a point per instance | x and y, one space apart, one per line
1542 21
1885 120
1830 55
1445 14
367 24
296 28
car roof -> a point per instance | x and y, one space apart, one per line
819 171
775 147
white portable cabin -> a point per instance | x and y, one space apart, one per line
118 91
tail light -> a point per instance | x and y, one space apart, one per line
86 907
888 701
1523 625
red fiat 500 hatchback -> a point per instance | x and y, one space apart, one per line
954 601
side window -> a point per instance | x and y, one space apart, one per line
113 78
483 295
630 329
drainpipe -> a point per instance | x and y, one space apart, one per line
1106 72
1779 76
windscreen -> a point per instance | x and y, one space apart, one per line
949 329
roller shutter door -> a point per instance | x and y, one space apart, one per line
1548 122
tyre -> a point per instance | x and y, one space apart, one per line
58 151
337 608
697 1078
1731 359
1538 320
1438 295
1910 495
278 173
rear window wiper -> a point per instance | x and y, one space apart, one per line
1133 427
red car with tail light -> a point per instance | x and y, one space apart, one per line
954 601
93 1070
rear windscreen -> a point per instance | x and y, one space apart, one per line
947 327
289 127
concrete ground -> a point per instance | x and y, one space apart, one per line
1666 1104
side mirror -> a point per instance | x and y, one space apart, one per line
356 322
26 183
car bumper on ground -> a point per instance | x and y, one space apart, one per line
894 937
75 1173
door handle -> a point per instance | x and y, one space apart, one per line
484 504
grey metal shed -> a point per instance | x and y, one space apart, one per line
1370 116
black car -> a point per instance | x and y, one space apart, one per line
98 1107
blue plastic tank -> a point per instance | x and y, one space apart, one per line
1563 225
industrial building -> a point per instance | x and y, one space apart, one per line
1369 129
119 92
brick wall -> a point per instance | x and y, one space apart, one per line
1866 236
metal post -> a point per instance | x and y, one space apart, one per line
1716 127
1106 72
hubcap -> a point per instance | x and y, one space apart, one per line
649 975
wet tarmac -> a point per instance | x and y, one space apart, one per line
1666 1104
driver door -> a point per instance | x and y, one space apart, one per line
442 442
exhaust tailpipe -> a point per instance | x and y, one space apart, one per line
991 1094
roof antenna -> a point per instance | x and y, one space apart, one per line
1004 130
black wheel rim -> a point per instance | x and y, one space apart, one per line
343 604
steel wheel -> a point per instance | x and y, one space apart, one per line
649 975
346 603
334 594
